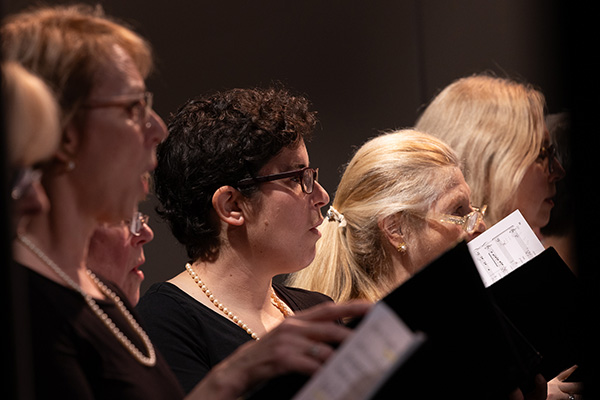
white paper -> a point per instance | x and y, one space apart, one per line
363 362
504 247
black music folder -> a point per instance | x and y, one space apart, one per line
546 303
469 342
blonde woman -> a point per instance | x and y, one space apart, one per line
497 128
33 132
401 202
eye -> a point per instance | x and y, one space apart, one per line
135 109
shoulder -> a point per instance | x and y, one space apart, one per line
162 297
299 299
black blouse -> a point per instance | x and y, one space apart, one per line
75 356
194 338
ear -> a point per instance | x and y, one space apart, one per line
225 201
390 226
69 144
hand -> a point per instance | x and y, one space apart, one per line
538 392
558 389
299 344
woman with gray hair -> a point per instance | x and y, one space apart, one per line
402 201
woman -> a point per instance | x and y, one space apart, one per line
401 202
33 127
497 128
236 188
87 341
96 176
116 252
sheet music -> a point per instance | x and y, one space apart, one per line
504 247
379 344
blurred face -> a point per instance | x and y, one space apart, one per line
534 196
116 254
28 197
118 145
425 245
282 227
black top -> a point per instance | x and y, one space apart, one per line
75 356
194 338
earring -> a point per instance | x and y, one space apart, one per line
70 165
402 248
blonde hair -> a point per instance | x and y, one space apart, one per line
402 172
496 126
31 116
68 47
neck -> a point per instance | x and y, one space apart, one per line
62 235
236 282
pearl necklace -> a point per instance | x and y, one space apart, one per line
280 305
149 360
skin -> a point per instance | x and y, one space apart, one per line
534 196
270 233
424 245
33 201
287 237
116 255
125 149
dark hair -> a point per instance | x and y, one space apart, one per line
217 140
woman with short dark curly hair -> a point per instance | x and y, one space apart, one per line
235 185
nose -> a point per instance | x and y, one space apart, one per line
156 128
146 236
320 195
558 172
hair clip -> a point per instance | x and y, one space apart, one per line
335 215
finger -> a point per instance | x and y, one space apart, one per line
571 387
294 328
330 311
566 373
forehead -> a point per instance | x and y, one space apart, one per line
457 191
120 76
288 159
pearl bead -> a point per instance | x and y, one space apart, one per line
280 305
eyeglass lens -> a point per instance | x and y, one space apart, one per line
308 180
23 180
137 222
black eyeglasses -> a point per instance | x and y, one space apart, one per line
307 177
139 109
137 223
549 153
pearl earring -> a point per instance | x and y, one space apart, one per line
70 165
402 248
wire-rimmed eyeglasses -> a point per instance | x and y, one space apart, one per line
137 223
138 108
469 222
307 177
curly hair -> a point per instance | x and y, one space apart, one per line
217 140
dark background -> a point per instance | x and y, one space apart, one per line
368 67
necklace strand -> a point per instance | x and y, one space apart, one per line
280 305
149 360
